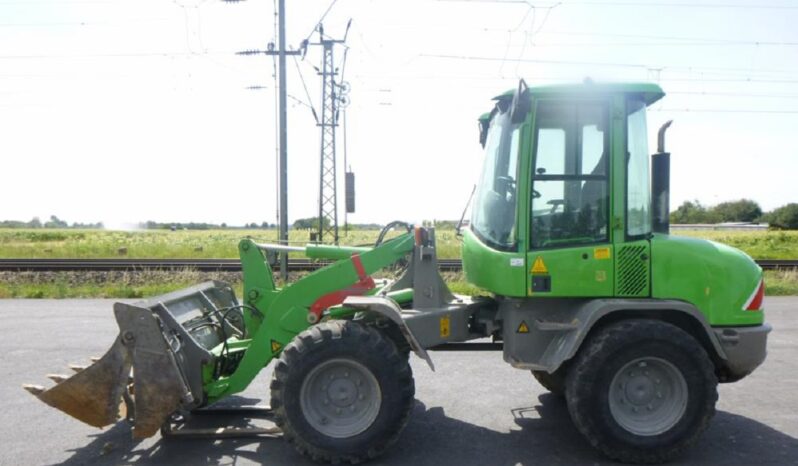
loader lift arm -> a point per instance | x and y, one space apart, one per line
289 310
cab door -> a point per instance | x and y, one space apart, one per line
570 253
633 248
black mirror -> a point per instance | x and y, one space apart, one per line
521 105
484 124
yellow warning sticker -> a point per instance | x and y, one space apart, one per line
445 327
522 328
276 346
601 253
539 266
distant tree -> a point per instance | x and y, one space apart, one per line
785 217
55 222
365 226
224 225
744 210
303 223
265 225
89 225
694 212
35 223
309 223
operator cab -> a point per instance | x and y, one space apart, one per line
565 177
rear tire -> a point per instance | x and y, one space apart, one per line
641 391
555 382
341 392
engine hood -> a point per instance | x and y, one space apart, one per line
716 278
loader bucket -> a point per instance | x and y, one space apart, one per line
152 370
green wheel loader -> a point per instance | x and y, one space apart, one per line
569 233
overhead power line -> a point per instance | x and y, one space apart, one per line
321 19
734 94
723 110
665 44
642 4
709 40
610 64
305 87
757 6
111 55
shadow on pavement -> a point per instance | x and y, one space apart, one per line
541 434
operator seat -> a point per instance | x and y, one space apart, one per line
594 191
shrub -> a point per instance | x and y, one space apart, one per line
785 217
744 210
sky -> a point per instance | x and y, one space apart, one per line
123 111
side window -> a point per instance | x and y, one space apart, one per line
638 191
570 195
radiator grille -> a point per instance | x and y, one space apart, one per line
632 271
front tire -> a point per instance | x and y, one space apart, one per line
641 391
342 392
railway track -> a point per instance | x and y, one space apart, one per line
223 265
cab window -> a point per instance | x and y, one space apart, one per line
570 195
493 215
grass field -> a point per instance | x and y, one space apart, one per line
223 243
156 244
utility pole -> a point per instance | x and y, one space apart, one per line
281 53
332 95
283 236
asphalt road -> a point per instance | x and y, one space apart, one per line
474 409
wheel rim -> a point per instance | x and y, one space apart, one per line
340 398
648 396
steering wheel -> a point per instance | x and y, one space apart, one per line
507 185
554 203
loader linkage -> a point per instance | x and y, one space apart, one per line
182 351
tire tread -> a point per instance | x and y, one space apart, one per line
366 339
601 346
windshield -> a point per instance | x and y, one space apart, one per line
493 216
638 193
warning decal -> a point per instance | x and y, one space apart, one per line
276 346
601 253
539 266
522 328
445 327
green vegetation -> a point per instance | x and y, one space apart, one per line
743 210
785 217
157 244
691 212
127 285
757 244
100 284
65 243
781 282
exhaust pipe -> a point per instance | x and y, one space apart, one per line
660 184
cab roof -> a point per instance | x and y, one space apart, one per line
649 92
